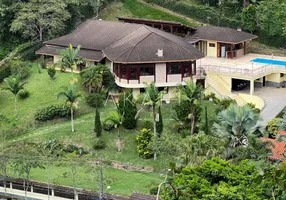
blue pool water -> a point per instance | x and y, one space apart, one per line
269 61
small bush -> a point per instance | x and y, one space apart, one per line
107 126
23 94
153 190
5 71
98 144
52 72
272 127
148 124
95 99
20 67
52 111
75 149
143 140
253 107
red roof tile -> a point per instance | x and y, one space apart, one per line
282 133
278 149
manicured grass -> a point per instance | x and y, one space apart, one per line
43 91
87 177
133 8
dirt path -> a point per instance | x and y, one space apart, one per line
169 12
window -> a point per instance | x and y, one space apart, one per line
116 68
147 70
123 72
211 44
173 68
166 89
133 74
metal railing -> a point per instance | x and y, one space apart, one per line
255 73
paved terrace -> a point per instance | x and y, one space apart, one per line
242 67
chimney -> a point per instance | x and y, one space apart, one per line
160 53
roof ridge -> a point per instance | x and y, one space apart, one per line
139 26
229 34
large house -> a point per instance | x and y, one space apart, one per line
135 53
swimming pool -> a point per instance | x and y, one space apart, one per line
269 61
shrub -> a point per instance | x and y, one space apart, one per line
273 126
5 71
95 99
75 149
97 123
23 94
252 106
159 124
153 190
148 124
52 72
20 67
127 108
108 125
98 144
143 140
52 111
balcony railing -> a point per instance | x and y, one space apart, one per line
247 73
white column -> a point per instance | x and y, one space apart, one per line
251 87
11 186
32 189
53 192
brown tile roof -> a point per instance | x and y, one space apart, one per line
278 148
137 196
222 34
126 43
84 53
142 20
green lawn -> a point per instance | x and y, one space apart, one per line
43 92
121 182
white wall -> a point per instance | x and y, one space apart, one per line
160 72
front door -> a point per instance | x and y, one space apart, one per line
218 50
264 81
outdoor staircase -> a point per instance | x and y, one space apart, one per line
216 84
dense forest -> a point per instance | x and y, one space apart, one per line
38 20
266 18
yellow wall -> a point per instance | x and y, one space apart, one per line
136 92
109 64
273 78
259 103
212 51
57 59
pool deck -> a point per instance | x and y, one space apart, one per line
242 66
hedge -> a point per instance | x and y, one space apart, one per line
52 111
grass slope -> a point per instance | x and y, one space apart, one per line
134 8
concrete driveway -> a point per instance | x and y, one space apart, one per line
274 99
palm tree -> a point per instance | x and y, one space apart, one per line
71 94
70 57
193 94
153 98
14 86
236 123
116 118
97 77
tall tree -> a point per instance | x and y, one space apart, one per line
153 98
192 94
97 123
38 17
159 124
249 19
235 124
14 86
71 95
